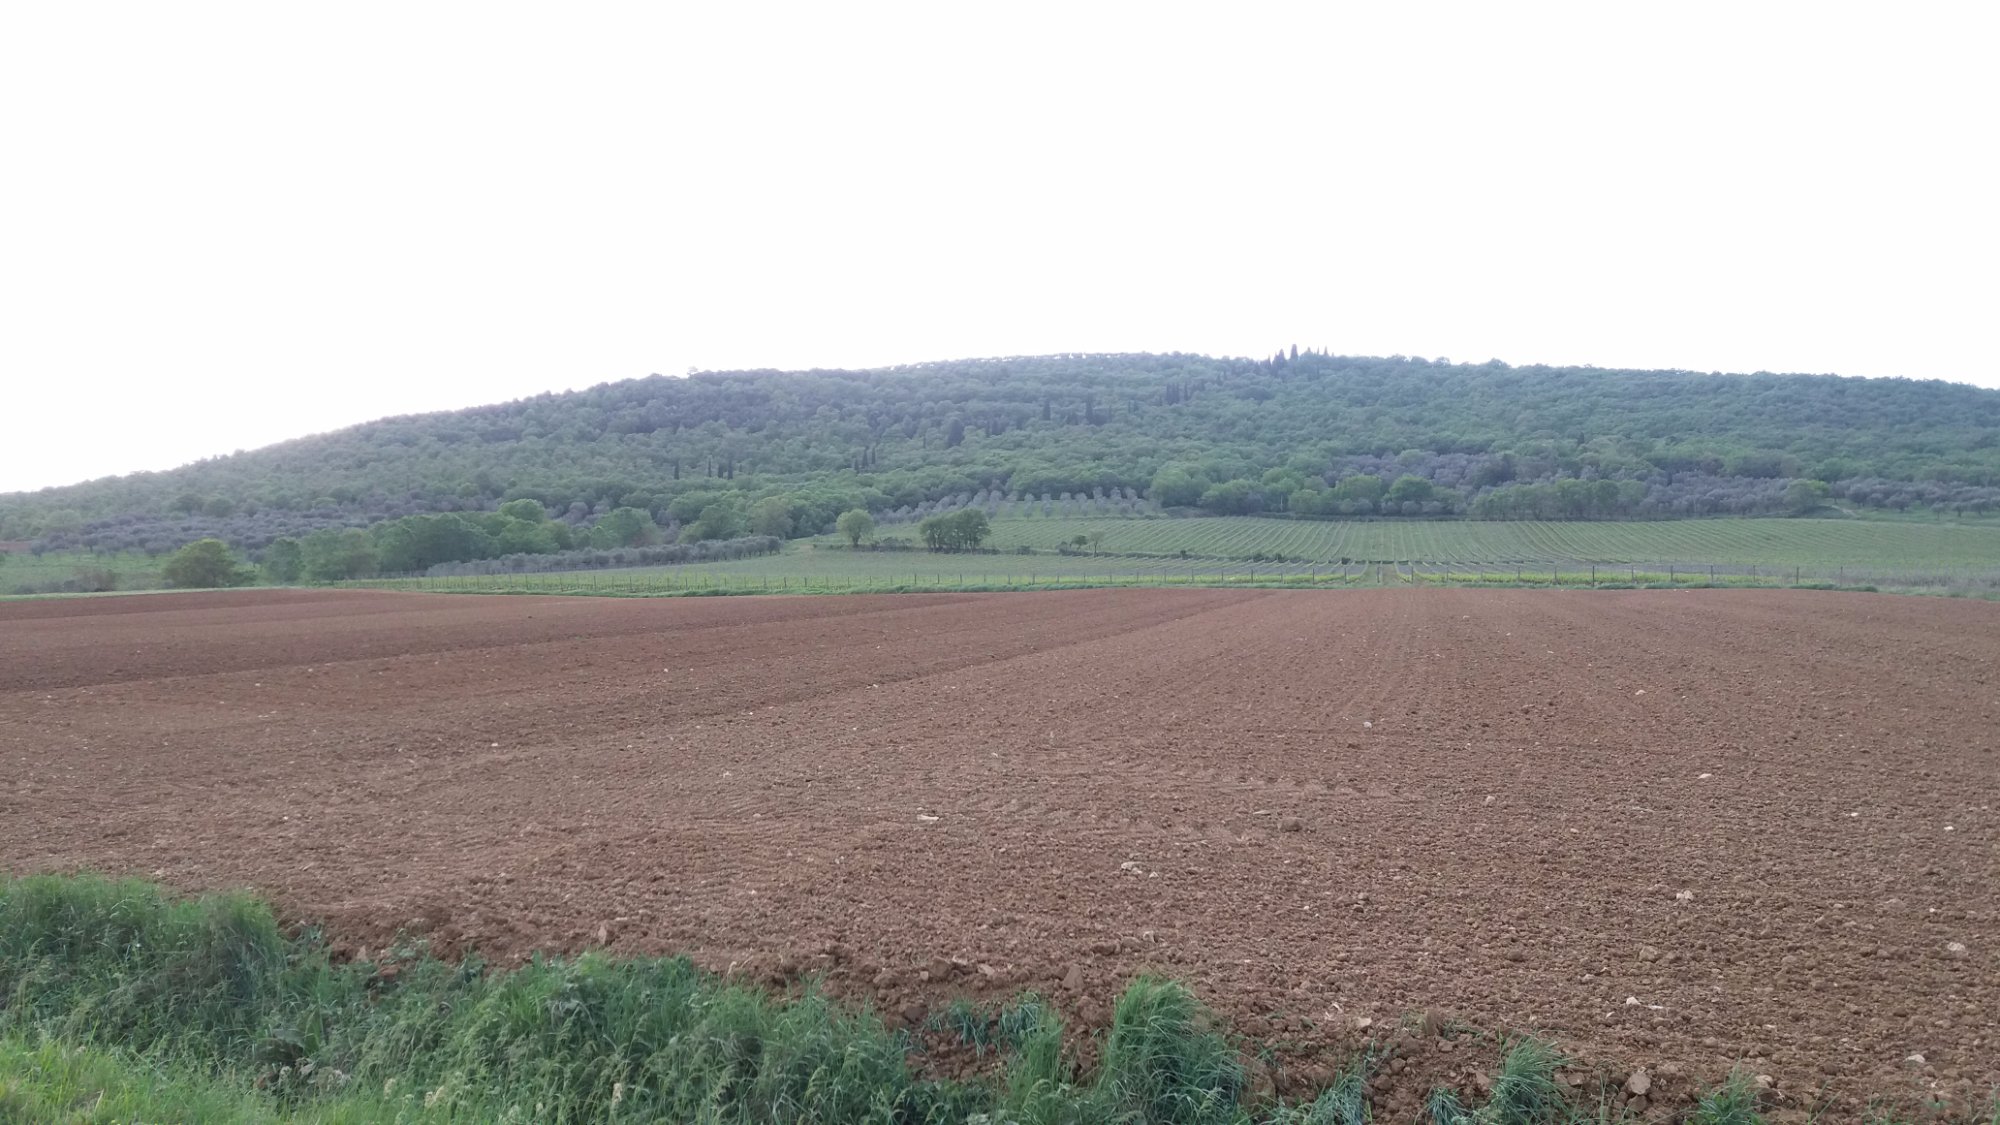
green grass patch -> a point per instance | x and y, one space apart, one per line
47 1080
1734 1102
1526 1091
78 572
120 1002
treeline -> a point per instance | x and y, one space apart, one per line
817 443
711 550
519 530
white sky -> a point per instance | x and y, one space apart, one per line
223 225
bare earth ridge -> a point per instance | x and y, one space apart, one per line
1677 829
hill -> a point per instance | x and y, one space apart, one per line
1303 433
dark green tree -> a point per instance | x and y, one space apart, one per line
203 565
628 527
722 519
337 554
1175 487
772 516
1233 498
526 509
1409 489
284 561
962 530
1358 493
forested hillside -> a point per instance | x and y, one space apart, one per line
1308 434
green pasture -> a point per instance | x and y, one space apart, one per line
1029 553
83 571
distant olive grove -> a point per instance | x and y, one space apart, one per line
720 457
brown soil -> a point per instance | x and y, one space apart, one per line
1491 806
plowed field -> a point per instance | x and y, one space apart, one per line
1678 829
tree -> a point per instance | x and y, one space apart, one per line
629 527
962 530
856 524
204 564
1310 502
334 554
1175 487
520 537
772 516
973 527
1281 482
720 520
1233 498
284 562
526 508
416 543
62 521
1802 496
688 506
1361 491
1409 488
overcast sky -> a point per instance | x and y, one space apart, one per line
230 224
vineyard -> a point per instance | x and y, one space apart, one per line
1029 553
809 572
1811 543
